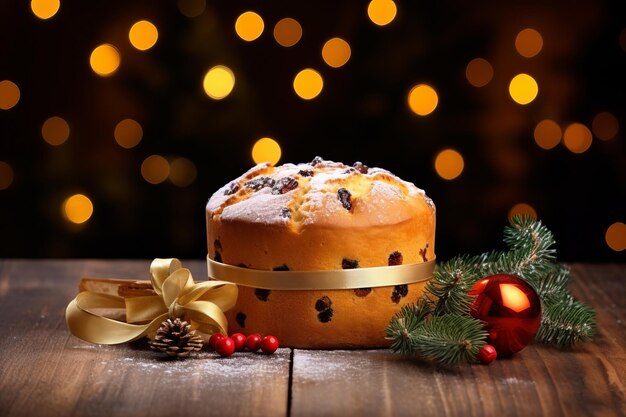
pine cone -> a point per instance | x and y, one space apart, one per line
175 338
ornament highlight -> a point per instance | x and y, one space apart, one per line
511 310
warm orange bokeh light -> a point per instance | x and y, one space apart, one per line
479 72
105 60
547 134
55 131
266 150
6 175
522 208
249 26
605 126
77 208
308 84
423 99
45 9
577 137
449 164
528 43
143 35
382 12
616 236
523 89
336 52
514 298
287 32
155 169
128 133
9 94
183 172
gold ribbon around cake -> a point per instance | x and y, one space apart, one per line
380 276
202 303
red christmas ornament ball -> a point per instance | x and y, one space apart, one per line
239 339
511 309
225 346
269 344
214 338
253 342
487 354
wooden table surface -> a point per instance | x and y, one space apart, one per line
45 371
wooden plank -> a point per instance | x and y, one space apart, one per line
587 380
44 371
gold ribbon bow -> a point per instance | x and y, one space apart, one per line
202 303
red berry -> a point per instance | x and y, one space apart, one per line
269 344
487 354
225 346
214 338
253 342
239 339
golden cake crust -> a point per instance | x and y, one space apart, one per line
320 216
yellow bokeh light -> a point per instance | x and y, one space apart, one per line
192 8
336 52
266 150
382 12
449 164
77 208
55 131
523 88
423 99
287 32
143 35
308 84
218 82
616 236
183 172
528 42
479 72
605 126
249 26
547 134
522 209
155 169
45 9
577 137
6 175
128 133
9 94
105 60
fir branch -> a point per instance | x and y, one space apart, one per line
405 324
566 323
552 286
450 284
449 339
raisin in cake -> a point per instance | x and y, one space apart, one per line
320 216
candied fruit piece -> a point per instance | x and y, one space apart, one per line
306 172
395 258
344 197
316 160
349 263
359 166
262 294
399 291
260 182
284 185
233 187
285 212
362 292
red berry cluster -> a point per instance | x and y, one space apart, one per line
226 346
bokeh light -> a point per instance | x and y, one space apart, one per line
6 175
155 169
143 35
77 208
287 32
528 43
55 131
479 72
266 150
616 236
449 164
382 12
45 9
523 89
191 8
249 26
577 137
105 60
522 209
547 134
218 82
9 94
128 133
605 126
183 172
423 99
336 52
308 84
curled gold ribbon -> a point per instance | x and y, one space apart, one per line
202 303
380 276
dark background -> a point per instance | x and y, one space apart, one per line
361 114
